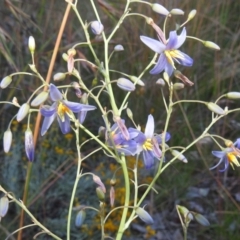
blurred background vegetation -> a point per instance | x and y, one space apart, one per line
213 194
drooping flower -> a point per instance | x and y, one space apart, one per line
117 139
227 156
62 109
168 51
148 143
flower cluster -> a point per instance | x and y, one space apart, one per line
131 141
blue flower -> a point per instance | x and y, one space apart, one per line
123 141
62 109
227 156
168 52
148 143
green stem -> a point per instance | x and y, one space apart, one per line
75 184
127 197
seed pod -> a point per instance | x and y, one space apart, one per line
7 140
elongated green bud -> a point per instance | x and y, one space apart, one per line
100 194
178 86
192 14
215 108
137 80
23 112
6 82
59 76
31 44
7 140
177 11
179 156
158 8
212 45
125 84
144 215
39 99
233 95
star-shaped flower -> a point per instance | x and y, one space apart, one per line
168 51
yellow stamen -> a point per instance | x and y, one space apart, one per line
148 145
168 55
62 109
232 159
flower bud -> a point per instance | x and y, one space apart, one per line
144 215
160 82
125 84
192 14
15 102
96 27
233 95
7 140
112 196
4 204
33 68
6 82
228 143
201 219
177 11
212 45
23 112
102 131
129 113
179 156
118 48
80 218
166 77
71 52
59 76
215 108
39 99
31 44
29 145
159 9
98 181
65 57
137 81
100 194
184 214
178 86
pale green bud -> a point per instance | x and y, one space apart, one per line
125 84
185 214
7 140
129 113
144 215
71 52
23 112
59 76
201 219
166 77
178 86
160 82
31 44
118 48
159 9
99 182
177 11
228 143
33 67
233 95
137 80
102 131
215 108
96 27
6 82
192 14
179 156
39 99
100 194
65 57
212 45
80 218
4 204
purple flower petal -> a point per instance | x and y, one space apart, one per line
148 159
155 45
237 143
160 65
77 107
81 116
64 126
219 154
48 111
149 130
47 122
156 150
183 59
225 167
181 38
55 94
172 41
168 68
